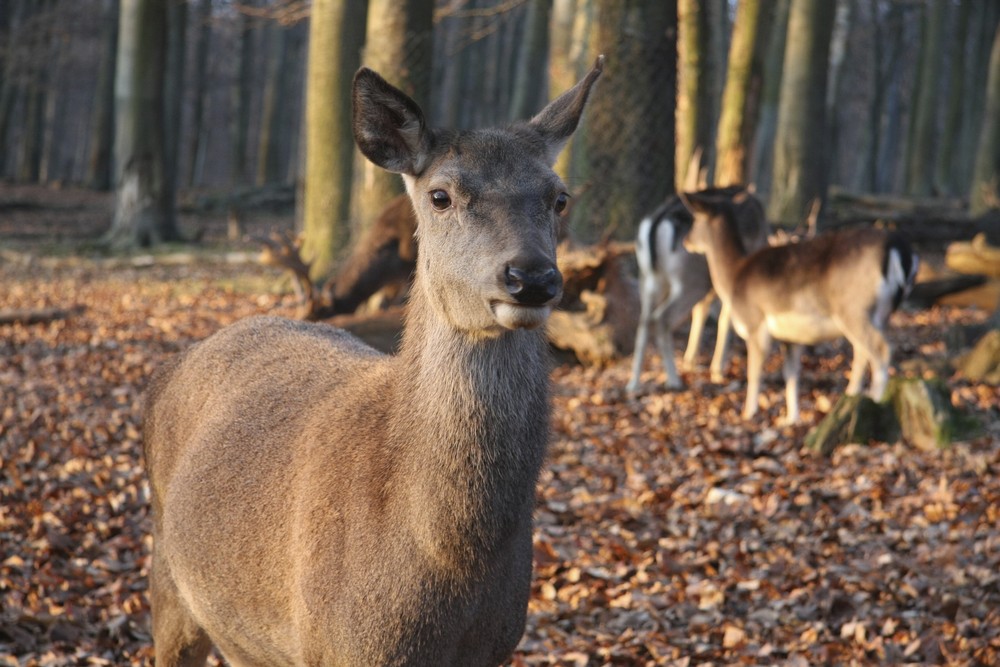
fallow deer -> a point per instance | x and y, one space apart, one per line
674 283
842 283
318 503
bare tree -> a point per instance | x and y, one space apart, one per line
335 38
799 173
735 130
985 190
143 208
102 127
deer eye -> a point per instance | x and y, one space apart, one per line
440 200
561 201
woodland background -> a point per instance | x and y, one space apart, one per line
146 144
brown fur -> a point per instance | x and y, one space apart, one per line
317 503
837 284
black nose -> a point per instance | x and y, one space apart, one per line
533 288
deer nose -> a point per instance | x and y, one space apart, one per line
533 288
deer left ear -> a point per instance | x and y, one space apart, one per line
389 127
557 121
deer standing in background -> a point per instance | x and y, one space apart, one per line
843 283
674 283
318 503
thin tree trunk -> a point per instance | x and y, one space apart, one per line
773 32
173 96
532 62
946 163
800 167
399 46
239 101
272 118
695 76
920 146
141 206
203 37
335 36
103 119
985 191
9 87
734 131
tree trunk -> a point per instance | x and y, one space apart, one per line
947 164
734 130
102 127
986 18
398 46
239 102
173 96
696 76
203 23
773 32
335 36
799 173
985 191
10 89
142 206
529 83
627 173
923 114
272 118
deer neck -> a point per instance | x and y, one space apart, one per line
474 414
724 256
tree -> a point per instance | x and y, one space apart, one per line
272 118
203 37
773 31
335 40
735 131
628 132
173 95
399 46
239 100
698 72
529 82
143 204
800 167
985 191
102 127
926 95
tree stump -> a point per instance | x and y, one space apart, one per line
916 410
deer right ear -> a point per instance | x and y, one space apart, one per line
389 127
557 122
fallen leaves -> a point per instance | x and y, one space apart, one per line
668 532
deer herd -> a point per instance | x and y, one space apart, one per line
318 503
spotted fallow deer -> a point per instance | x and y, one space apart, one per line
843 283
675 284
318 503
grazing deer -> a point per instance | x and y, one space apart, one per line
843 283
674 283
318 503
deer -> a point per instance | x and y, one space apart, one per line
675 284
843 283
315 502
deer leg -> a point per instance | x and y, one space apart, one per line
858 367
869 343
721 344
792 369
646 294
757 346
699 313
665 342
178 640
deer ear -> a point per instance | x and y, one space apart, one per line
389 127
557 122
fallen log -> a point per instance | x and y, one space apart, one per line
975 257
38 315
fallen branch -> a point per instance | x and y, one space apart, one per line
39 315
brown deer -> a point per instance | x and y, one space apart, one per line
843 283
318 503
675 284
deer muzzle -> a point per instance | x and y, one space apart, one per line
539 287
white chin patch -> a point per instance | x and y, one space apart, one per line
511 316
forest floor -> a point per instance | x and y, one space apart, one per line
668 531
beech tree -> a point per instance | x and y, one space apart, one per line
985 191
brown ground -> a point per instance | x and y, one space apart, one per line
668 531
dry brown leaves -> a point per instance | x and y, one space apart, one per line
668 532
